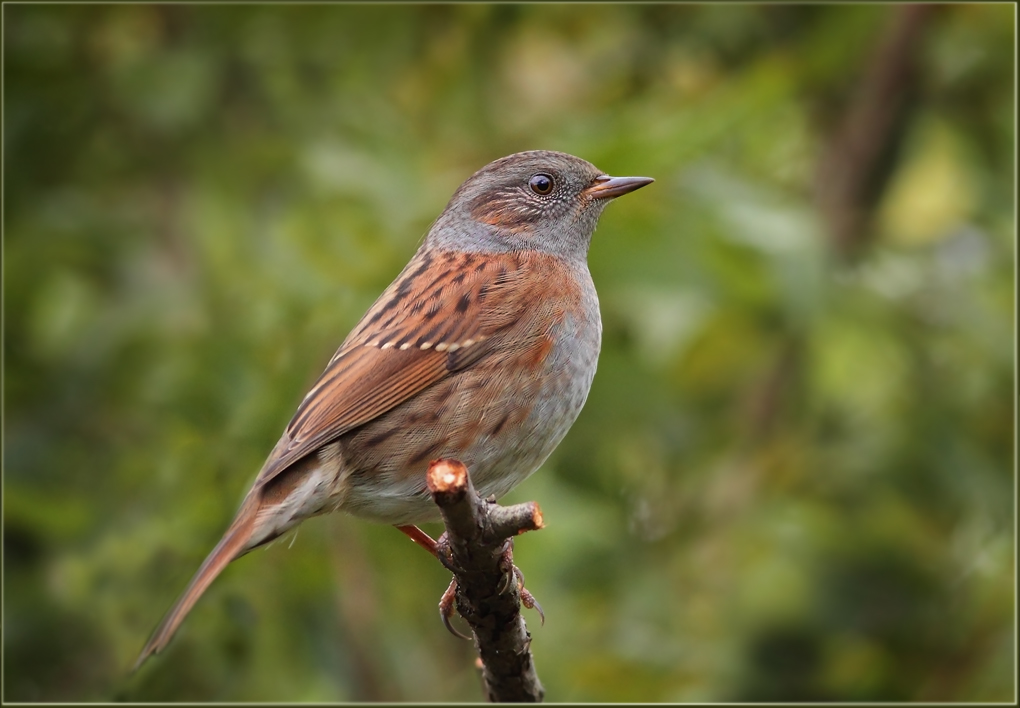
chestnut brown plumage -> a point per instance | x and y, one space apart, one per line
482 350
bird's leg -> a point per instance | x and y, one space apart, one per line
421 538
448 602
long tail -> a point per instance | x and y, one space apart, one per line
235 542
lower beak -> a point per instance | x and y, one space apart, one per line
606 187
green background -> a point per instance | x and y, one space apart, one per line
793 478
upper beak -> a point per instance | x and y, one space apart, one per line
606 187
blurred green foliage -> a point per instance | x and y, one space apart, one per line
794 475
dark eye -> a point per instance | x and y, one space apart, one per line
541 184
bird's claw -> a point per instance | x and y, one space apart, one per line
529 601
504 583
447 606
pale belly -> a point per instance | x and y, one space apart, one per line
502 427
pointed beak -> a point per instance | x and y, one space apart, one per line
606 187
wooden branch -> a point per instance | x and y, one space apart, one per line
478 549
858 160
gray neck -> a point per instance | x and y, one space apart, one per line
455 231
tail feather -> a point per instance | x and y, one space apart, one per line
266 513
234 543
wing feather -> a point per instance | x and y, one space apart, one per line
437 317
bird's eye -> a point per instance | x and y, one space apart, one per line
541 184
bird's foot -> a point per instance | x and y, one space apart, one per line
512 573
448 601
447 606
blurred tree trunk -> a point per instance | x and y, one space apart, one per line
862 149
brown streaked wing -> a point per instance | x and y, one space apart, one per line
405 343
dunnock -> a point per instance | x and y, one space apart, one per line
482 350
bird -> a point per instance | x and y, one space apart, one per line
483 349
